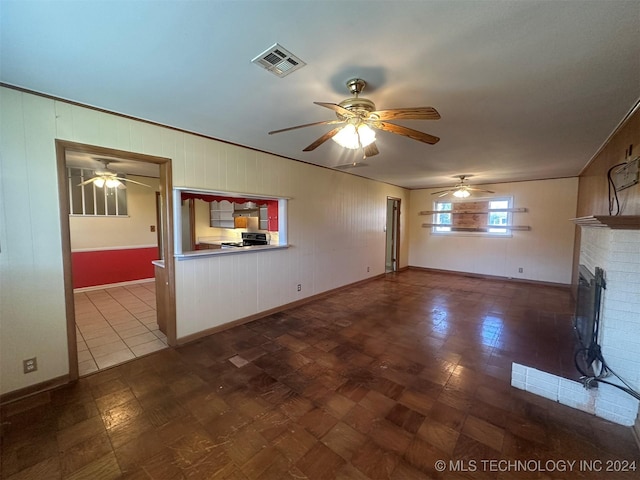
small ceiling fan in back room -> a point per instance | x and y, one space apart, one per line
108 178
461 189
357 118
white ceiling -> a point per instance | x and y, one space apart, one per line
526 89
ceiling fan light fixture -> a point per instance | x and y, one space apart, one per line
99 182
353 137
462 193
112 183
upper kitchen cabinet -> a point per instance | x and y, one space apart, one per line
269 216
222 214
272 212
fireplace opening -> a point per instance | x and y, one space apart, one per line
587 317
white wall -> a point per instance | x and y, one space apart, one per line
545 253
131 231
335 221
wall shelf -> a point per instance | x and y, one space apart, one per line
616 222
473 229
470 219
473 212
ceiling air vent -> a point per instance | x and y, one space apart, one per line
279 61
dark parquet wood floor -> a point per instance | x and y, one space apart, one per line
381 380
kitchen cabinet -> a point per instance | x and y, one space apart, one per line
222 214
263 218
272 216
268 216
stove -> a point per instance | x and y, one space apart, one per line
231 244
249 239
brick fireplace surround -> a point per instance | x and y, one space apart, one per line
613 244
617 252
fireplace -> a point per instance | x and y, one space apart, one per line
587 316
609 250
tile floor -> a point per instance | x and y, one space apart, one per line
378 381
114 325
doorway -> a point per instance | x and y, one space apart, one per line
393 235
165 288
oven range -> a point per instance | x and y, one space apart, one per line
249 239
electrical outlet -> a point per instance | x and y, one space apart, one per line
299 287
152 228
520 270
30 365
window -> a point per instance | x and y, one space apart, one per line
481 216
89 200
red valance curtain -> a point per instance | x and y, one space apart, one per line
213 198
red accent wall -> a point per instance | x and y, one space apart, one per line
102 267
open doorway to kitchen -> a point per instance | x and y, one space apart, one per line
393 235
98 232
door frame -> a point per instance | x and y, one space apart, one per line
166 225
393 223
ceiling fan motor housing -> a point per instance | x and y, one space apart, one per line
361 107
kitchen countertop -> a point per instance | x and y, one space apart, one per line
228 251
218 240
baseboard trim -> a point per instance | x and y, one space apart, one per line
35 389
241 321
113 285
491 277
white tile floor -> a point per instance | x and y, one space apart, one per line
116 324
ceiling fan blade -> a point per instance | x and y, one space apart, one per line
407 132
336 108
326 122
441 191
416 113
480 190
86 182
132 181
322 139
371 150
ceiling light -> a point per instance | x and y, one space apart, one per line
462 193
108 178
354 137
112 182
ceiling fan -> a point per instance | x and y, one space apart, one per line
461 190
357 118
108 178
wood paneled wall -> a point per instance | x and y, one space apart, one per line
593 196
592 188
336 228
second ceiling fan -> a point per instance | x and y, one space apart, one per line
357 118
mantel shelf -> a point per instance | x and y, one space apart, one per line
619 222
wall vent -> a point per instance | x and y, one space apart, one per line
279 61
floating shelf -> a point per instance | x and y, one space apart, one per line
473 229
474 212
616 222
